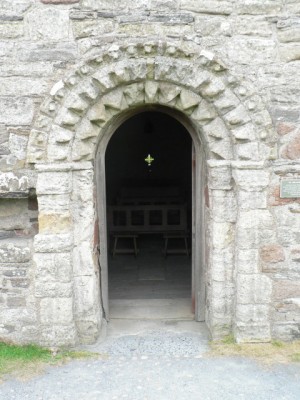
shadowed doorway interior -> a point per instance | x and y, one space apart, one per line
148 189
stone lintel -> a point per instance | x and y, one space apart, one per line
62 167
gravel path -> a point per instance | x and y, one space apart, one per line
161 364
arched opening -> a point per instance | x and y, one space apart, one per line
154 220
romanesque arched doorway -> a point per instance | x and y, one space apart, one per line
232 139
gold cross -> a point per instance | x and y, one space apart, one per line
149 160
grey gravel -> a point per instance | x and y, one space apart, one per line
160 364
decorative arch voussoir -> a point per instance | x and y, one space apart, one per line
231 116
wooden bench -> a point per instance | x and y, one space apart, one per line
128 237
139 212
176 237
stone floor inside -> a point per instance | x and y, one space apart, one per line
150 286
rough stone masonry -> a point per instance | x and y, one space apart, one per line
68 70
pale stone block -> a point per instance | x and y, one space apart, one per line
252 314
247 261
84 223
15 251
286 236
213 26
223 206
226 101
253 289
209 7
36 146
285 218
55 223
204 112
11 30
67 118
58 335
56 311
60 135
76 103
87 130
54 183
252 333
213 88
164 5
272 253
245 132
58 152
254 228
247 151
285 331
252 26
286 289
59 243
237 116
134 94
221 149
47 24
289 35
157 29
17 109
17 316
83 150
14 215
289 52
257 7
216 129
97 113
18 145
53 289
251 179
21 86
251 51
10 182
222 234
88 330
222 261
90 28
115 5
86 297
219 177
53 267
83 184
252 200
83 259
56 203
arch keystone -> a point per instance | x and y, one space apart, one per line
151 89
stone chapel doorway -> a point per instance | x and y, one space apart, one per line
148 164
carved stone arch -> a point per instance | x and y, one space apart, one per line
226 115
232 117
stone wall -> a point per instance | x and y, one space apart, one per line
42 43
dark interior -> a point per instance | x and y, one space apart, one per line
158 190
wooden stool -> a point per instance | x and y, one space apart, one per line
126 250
177 236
